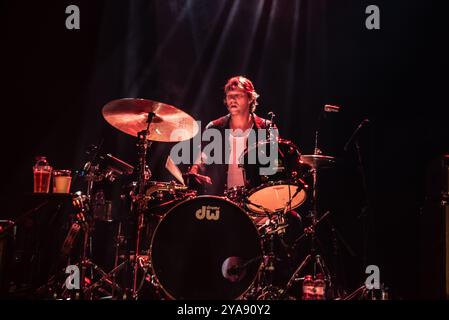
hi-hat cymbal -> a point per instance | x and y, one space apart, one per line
168 125
318 161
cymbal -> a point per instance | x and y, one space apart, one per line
169 124
318 160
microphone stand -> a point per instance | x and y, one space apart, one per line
364 212
354 134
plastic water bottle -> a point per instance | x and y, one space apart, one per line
308 289
320 287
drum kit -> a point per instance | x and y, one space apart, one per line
189 246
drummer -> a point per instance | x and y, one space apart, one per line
241 101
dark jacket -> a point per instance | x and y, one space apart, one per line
219 172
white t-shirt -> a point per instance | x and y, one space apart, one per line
237 144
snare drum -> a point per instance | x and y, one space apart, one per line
206 248
280 190
161 194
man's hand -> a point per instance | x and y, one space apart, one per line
199 178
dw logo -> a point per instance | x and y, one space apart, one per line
208 212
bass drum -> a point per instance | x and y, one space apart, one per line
206 248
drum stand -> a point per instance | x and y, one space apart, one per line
87 225
81 222
275 227
140 199
313 256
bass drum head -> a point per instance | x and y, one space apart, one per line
206 248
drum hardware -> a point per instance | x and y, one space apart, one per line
112 168
266 211
143 175
274 224
90 208
81 223
237 194
118 242
310 231
363 293
315 162
268 268
317 261
312 256
288 205
103 167
271 226
93 208
81 202
148 121
106 279
274 227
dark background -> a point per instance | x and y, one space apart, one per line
299 54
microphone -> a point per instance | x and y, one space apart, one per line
271 127
331 108
272 115
364 121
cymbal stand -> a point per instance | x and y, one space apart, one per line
310 231
312 256
140 199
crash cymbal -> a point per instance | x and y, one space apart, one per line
318 160
169 124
